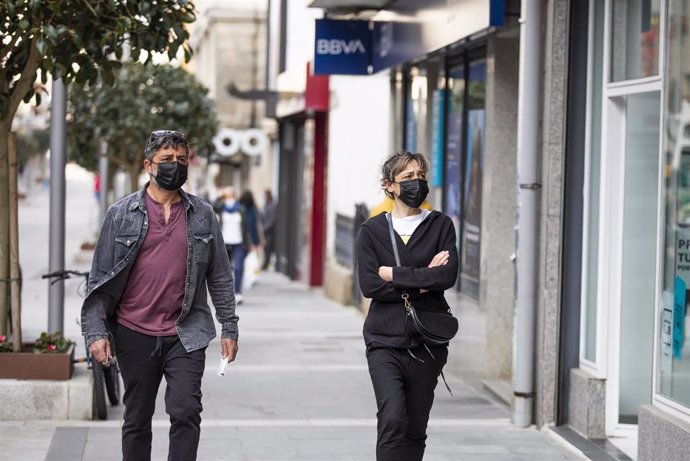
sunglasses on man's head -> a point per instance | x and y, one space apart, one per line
159 133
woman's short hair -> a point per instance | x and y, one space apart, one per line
396 163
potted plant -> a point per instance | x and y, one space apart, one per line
51 356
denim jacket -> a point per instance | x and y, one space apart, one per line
208 268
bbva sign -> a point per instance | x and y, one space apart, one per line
342 47
336 46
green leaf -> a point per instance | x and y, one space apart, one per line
51 33
41 47
28 96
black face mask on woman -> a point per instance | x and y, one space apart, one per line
413 192
170 175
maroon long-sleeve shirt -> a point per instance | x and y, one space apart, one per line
152 300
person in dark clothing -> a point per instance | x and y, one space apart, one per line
254 230
403 372
253 223
159 255
269 222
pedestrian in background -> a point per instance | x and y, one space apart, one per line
253 221
270 213
233 222
252 265
404 372
159 254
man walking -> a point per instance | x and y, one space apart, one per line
157 252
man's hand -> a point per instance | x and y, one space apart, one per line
386 273
441 259
228 348
100 350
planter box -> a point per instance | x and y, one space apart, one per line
30 365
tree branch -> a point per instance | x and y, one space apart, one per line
118 161
26 80
88 5
7 48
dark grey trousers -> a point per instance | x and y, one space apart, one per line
404 389
143 361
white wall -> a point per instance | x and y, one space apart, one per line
300 34
358 143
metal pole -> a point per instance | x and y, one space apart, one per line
58 154
528 196
103 173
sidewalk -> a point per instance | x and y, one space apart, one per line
299 389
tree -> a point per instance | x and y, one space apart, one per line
144 98
73 40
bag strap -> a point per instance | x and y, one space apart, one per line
405 296
389 217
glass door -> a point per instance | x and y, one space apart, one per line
629 208
638 263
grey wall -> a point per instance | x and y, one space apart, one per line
499 204
555 59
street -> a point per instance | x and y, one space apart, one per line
299 389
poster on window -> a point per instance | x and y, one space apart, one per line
454 169
472 222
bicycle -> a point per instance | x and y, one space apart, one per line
102 374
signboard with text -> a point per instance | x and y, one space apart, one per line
406 30
342 47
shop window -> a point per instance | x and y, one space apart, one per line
638 264
415 117
673 360
591 251
635 26
470 248
453 164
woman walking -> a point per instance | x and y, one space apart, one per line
404 371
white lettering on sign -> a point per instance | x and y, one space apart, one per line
336 47
683 254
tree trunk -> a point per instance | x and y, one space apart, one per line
4 227
133 178
15 285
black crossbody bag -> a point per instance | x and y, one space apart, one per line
427 327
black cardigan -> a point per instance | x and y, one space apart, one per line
385 322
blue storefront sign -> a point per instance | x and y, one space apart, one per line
412 28
342 47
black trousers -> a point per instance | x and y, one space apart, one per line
404 388
143 361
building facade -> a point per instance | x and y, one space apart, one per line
609 283
633 360
229 43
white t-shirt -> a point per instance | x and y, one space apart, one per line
407 225
232 224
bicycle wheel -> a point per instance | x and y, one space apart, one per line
112 383
100 410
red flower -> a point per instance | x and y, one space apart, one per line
2 338
52 347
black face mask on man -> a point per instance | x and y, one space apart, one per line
170 175
413 192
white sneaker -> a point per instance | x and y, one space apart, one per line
239 299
